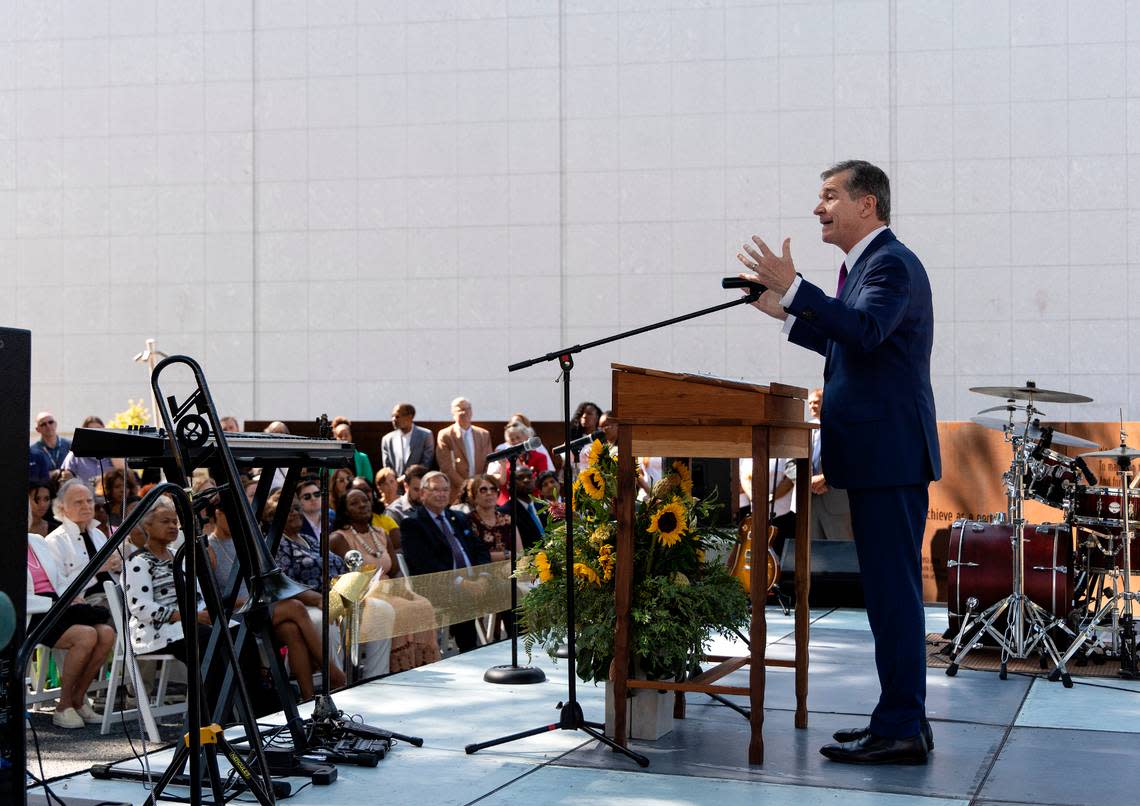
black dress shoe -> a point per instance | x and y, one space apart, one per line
855 734
873 749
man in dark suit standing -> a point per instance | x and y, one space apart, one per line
407 443
435 539
879 435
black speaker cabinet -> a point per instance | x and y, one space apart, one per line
15 378
835 580
709 476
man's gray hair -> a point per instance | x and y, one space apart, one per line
865 180
431 476
57 502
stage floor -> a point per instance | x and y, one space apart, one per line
1020 740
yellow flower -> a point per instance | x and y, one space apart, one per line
700 555
668 523
587 573
607 560
597 450
599 536
542 563
684 478
593 482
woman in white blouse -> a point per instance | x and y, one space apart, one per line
78 537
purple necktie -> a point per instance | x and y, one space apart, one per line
842 279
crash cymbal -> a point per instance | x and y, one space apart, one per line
1033 432
1031 392
1120 452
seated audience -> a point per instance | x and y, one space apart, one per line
585 419
519 417
309 494
526 518
40 519
117 487
82 630
440 539
515 434
388 490
339 482
380 519
492 526
292 626
77 538
299 556
403 506
355 531
230 425
156 619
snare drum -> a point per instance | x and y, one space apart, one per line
1051 478
981 566
1098 509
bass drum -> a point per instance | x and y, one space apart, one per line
980 565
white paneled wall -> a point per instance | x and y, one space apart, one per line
335 204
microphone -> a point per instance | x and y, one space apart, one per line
581 442
1044 443
1082 466
515 450
754 286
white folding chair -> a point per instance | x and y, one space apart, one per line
124 658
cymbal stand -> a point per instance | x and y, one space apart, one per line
1027 624
1120 603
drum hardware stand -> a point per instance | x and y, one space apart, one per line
1127 628
1027 623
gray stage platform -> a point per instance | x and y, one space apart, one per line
1013 741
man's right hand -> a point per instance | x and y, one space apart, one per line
819 484
769 303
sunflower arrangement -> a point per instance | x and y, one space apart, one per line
679 599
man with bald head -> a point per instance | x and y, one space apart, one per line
48 452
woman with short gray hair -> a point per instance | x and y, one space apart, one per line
78 537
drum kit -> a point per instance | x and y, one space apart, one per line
1025 587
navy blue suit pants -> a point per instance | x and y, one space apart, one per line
888 523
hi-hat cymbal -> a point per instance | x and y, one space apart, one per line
1118 453
1034 432
1031 392
1013 407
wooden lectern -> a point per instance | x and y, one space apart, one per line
670 414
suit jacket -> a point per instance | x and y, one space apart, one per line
421 451
452 456
878 427
426 549
530 530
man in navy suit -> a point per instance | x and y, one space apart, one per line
879 437
435 538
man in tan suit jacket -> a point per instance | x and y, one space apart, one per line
461 449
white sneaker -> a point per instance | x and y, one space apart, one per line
89 713
68 718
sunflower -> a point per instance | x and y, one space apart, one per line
597 451
684 478
668 523
607 560
587 573
601 535
593 482
542 563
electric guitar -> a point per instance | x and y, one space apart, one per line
740 558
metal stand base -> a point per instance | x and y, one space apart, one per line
1026 631
571 719
509 674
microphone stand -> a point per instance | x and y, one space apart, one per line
512 672
570 711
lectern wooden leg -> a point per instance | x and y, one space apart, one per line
623 585
803 581
758 592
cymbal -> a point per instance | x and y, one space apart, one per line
1118 453
1031 392
1034 432
1013 407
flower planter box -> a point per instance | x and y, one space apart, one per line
649 713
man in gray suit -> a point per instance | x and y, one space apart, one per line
830 510
407 444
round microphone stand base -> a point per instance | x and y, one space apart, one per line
509 673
